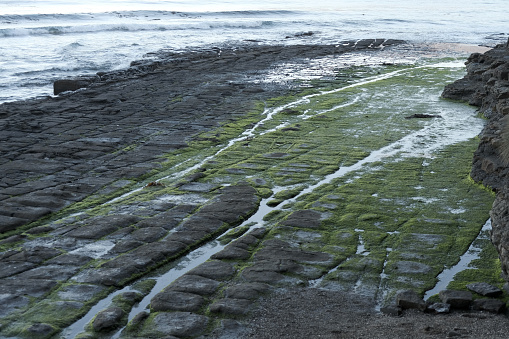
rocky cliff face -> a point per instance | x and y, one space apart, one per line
486 85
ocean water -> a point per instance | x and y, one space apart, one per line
45 40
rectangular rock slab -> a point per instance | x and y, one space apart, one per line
214 269
489 305
410 299
31 287
179 324
457 299
169 300
485 289
10 223
195 284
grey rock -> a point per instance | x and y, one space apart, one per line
489 305
131 297
126 246
233 307
8 223
80 292
259 232
29 287
179 324
271 272
73 84
69 259
92 231
139 318
108 319
201 223
438 308
106 276
457 299
13 239
232 252
11 302
248 291
8 269
283 250
195 284
485 289
54 272
169 300
392 310
188 237
35 255
148 234
39 230
214 269
409 299
41 330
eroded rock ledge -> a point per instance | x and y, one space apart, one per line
486 85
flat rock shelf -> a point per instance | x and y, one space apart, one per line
196 195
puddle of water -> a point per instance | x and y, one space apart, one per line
471 254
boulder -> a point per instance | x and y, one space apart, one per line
108 319
485 289
410 299
73 84
489 305
457 299
438 308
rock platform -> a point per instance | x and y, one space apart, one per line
89 249
63 154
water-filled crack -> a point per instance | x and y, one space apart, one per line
470 255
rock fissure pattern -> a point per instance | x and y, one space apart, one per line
382 230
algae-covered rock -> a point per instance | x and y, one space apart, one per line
108 319
485 289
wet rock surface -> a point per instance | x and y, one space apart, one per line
71 237
101 140
486 85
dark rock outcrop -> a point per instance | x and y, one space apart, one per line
486 85
73 84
